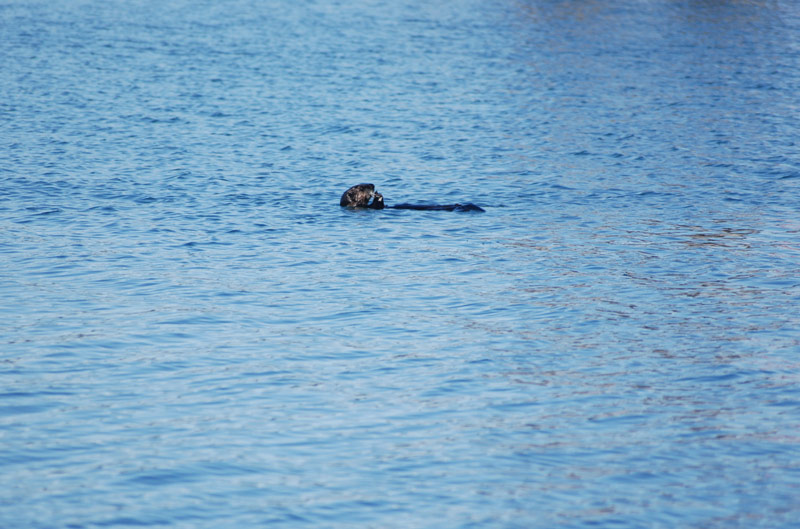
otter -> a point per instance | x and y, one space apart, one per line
359 196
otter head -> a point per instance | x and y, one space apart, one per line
357 196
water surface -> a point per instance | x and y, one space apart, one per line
194 334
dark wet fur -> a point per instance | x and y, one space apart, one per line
359 196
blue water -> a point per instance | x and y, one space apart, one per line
195 335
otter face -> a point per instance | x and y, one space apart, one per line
357 196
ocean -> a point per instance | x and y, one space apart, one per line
193 333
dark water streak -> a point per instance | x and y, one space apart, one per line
194 334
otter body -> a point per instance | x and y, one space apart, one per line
359 196
469 206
